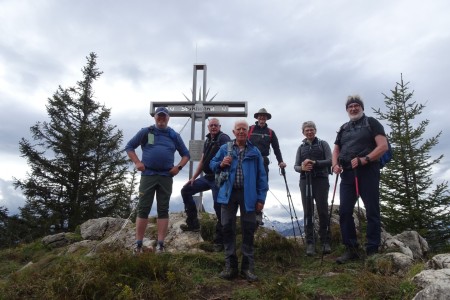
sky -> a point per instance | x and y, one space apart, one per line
298 59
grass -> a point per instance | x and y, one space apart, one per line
284 272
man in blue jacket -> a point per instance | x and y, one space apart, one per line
158 143
243 185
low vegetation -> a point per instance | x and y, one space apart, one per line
284 271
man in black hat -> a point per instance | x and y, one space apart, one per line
263 137
158 143
358 147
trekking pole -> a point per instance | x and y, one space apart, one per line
355 171
329 217
292 208
310 208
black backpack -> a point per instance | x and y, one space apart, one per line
319 142
212 152
387 156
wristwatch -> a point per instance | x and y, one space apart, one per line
367 159
180 167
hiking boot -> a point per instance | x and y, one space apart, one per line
259 219
160 249
349 254
137 250
370 252
326 248
249 275
310 250
218 247
229 273
185 227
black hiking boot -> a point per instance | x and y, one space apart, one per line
349 254
259 219
229 273
326 248
249 275
370 252
193 227
310 250
192 223
218 247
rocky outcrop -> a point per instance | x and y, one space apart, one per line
106 234
398 253
435 279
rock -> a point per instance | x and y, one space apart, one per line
440 261
56 240
415 242
97 229
433 292
85 244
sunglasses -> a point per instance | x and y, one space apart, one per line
213 125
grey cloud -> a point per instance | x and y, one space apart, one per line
298 60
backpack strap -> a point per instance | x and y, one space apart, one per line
151 130
250 132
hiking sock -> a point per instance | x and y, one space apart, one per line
139 243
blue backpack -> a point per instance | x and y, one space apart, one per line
387 156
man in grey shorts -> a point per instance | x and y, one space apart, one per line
158 143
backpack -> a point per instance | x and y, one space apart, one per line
319 142
250 132
151 130
387 156
212 152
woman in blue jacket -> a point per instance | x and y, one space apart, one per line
243 183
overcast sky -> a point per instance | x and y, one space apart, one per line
298 59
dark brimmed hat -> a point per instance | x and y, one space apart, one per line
161 110
354 99
263 111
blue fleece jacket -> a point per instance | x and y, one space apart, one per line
255 178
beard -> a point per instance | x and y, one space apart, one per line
356 117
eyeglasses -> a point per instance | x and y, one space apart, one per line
213 125
353 106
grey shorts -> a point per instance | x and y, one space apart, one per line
149 185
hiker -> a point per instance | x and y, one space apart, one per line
244 185
313 162
359 145
263 137
158 143
214 139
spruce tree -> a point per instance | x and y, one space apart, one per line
77 169
409 198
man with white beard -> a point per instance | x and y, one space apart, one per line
358 147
